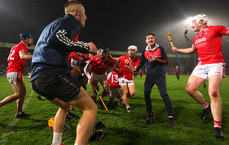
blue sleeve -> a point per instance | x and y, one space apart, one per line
142 61
63 32
163 59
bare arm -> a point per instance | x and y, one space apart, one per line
109 75
185 50
87 70
25 56
227 33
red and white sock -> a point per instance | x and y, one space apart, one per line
205 105
217 124
127 105
0 104
70 107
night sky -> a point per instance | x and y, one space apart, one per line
115 23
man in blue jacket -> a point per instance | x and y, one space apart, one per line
156 58
50 75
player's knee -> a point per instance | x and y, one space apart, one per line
214 94
125 92
132 93
189 90
19 95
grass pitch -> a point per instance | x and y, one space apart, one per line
122 128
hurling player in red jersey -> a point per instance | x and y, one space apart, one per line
115 88
96 70
128 65
210 66
15 70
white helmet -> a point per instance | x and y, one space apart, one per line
133 47
199 17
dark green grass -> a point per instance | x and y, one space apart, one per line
122 128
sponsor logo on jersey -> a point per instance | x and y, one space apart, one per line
200 40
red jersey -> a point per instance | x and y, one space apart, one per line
126 70
73 56
114 83
150 54
208 43
15 63
100 66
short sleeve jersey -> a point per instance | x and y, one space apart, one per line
208 43
15 63
100 66
126 70
114 82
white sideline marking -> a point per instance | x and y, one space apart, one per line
10 126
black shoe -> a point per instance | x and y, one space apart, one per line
129 110
39 97
22 115
73 115
218 133
172 122
150 118
205 113
205 85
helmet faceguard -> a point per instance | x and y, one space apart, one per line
131 53
103 52
199 17
133 47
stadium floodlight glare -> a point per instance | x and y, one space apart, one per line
189 21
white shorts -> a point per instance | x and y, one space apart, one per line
97 77
15 78
116 92
125 82
207 70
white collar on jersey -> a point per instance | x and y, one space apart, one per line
155 47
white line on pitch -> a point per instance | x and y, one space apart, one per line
9 127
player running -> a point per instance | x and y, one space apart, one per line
128 65
96 71
210 66
15 70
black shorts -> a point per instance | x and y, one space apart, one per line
64 87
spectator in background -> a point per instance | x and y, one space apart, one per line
15 70
140 73
177 71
